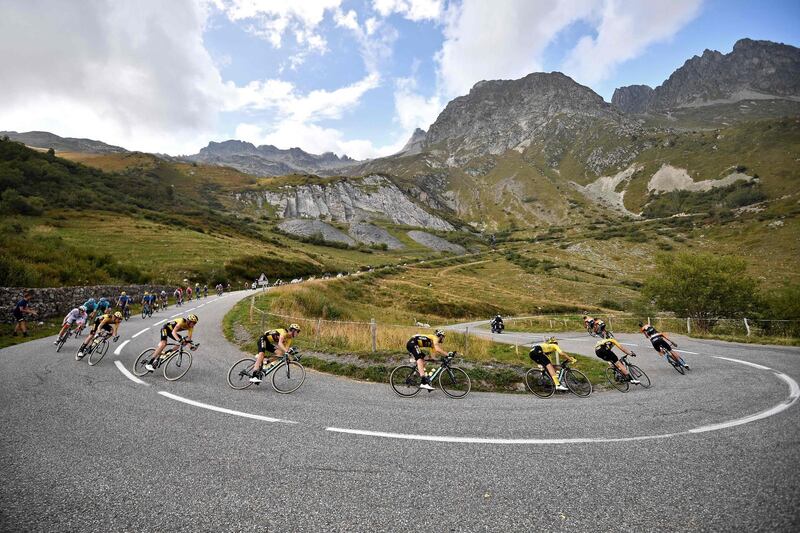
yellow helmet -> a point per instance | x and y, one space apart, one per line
118 315
122 293
192 318
294 327
146 293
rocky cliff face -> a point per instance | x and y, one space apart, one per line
753 70
501 115
352 200
414 144
633 98
267 160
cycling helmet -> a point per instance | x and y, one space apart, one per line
82 308
294 327
117 315
103 299
192 318
551 340
498 316
146 293
439 333
641 324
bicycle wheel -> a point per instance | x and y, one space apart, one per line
617 380
639 374
675 364
61 340
405 381
577 382
454 382
138 368
98 353
240 373
540 383
178 365
288 376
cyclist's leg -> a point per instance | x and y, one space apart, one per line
64 328
419 358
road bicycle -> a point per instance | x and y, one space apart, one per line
621 382
126 312
147 311
675 360
454 382
539 381
287 373
175 359
65 337
164 304
498 328
97 348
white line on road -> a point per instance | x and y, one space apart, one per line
136 335
222 409
695 353
120 347
794 394
161 322
127 374
179 314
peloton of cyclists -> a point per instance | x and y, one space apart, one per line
594 325
540 355
274 342
414 347
170 332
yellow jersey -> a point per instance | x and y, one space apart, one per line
274 336
424 341
608 344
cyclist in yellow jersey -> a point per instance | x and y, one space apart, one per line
604 349
275 342
108 323
170 331
422 340
540 355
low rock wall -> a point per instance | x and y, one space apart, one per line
54 302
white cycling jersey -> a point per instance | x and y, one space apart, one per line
76 315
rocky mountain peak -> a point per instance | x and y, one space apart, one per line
414 143
633 98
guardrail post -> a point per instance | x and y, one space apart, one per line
319 328
374 331
688 326
747 327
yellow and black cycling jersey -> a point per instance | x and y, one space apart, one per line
607 344
424 341
173 327
274 336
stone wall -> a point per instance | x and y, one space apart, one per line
55 302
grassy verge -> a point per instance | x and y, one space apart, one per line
345 349
35 331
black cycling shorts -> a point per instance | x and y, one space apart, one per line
265 345
167 333
96 325
606 355
414 349
660 343
538 356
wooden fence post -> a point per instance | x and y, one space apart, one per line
319 328
252 305
262 324
747 327
466 341
374 330
688 326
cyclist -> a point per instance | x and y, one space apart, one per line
196 291
108 323
146 302
497 324
659 341
414 347
90 305
275 342
604 349
77 316
163 299
597 326
103 305
170 331
205 290
20 312
188 293
178 296
123 301
540 352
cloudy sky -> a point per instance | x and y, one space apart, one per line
351 77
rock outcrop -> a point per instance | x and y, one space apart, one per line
436 243
267 160
44 139
315 229
414 144
753 70
373 235
350 200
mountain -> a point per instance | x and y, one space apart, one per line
267 160
414 144
754 70
43 139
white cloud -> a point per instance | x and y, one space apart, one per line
626 28
132 72
375 39
416 10
503 40
412 110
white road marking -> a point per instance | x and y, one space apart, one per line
127 374
136 335
794 394
120 347
695 353
179 314
161 322
222 409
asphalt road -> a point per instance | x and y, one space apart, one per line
88 449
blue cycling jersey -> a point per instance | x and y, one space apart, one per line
90 305
123 300
102 306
